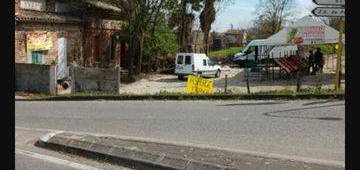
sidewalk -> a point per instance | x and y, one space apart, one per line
160 155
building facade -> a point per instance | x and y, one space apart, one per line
92 33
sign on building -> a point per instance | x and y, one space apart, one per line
38 5
306 35
199 85
38 41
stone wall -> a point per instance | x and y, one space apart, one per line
35 78
95 80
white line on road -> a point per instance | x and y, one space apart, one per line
263 154
55 160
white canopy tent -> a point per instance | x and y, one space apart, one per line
305 31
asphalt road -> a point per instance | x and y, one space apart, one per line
309 130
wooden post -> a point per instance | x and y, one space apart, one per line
119 75
298 81
247 76
56 85
339 54
225 84
73 90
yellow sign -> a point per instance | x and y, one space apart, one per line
199 85
38 41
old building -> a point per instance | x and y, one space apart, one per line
229 38
234 37
92 31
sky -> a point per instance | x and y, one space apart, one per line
240 13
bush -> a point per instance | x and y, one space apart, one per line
325 48
225 53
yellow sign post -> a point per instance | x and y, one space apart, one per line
199 85
339 54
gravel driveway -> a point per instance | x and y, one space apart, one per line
157 83
161 82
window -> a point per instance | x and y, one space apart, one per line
180 59
187 59
204 62
36 57
112 49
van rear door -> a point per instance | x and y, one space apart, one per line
184 64
188 64
179 64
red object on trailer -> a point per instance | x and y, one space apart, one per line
291 64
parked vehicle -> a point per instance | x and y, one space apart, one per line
258 50
255 50
195 63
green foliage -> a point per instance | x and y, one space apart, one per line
225 53
166 40
162 44
325 48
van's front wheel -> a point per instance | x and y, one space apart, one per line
180 77
217 74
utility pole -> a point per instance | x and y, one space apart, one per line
333 8
339 54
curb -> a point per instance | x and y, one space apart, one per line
90 148
192 97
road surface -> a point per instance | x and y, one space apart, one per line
313 130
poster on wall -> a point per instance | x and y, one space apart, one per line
38 41
306 35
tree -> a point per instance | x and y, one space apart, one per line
141 17
159 46
335 23
207 18
271 15
182 19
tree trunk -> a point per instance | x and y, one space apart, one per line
206 42
131 60
141 51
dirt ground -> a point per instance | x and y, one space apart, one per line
157 83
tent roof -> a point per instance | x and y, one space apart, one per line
280 38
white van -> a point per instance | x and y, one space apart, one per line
259 50
195 63
255 50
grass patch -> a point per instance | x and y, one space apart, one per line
216 55
310 93
33 95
